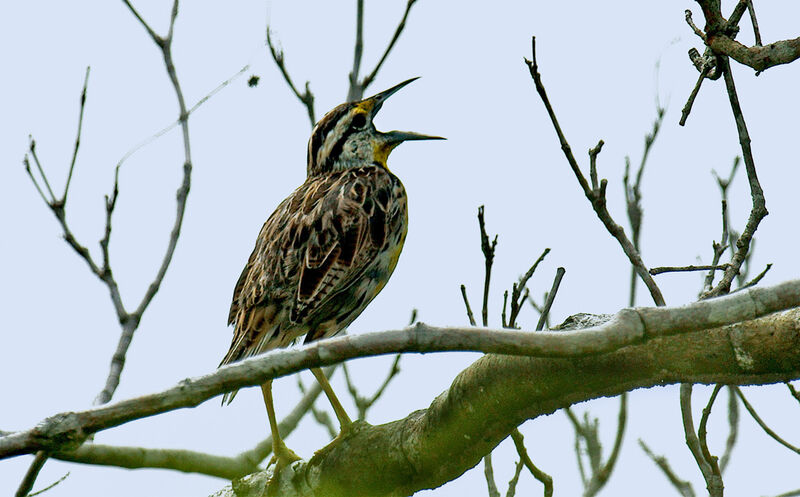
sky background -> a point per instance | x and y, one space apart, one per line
604 65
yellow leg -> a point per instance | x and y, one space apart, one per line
280 452
341 414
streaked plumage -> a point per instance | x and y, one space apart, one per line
320 258
328 249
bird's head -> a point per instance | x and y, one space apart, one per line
346 137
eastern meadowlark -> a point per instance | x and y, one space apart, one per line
327 250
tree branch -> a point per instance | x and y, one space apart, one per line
628 327
433 446
596 194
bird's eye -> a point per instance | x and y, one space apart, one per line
359 121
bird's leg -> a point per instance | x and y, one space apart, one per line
280 452
341 414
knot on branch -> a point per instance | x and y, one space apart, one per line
61 432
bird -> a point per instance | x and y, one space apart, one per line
327 250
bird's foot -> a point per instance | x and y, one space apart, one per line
282 456
346 429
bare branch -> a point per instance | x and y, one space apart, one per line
733 423
488 256
512 483
759 209
320 415
628 327
488 474
755 280
633 194
682 486
699 32
77 138
600 477
32 149
793 391
470 316
547 480
551 297
762 424
517 290
26 485
306 98
356 91
756 31
596 196
397 32
687 108
45 489
676 269
706 463
187 461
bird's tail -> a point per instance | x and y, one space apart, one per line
228 397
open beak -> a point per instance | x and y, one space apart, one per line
393 138
397 137
381 97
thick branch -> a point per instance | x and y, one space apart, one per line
628 327
433 446
757 57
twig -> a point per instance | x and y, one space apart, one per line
593 152
363 404
676 269
175 123
699 32
77 138
762 424
755 280
551 297
306 98
488 474
596 196
588 432
517 290
600 478
52 202
682 486
706 463
733 423
718 248
633 194
687 108
547 480
488 256
45 489
130 322
397 32
470 316
756 32
702 430
793 391
26 485
512 483
320 416
759 209
355 92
